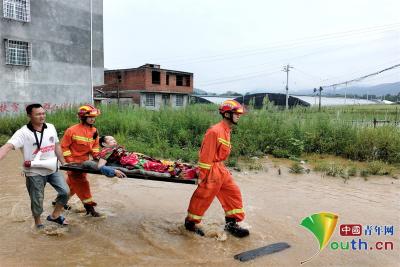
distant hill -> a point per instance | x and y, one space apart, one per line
378 90
197 91
262 90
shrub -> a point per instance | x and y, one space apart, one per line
296 168
281 153
335 169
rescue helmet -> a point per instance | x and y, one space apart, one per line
231 106
88 111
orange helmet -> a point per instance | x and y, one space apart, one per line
88 111
231 106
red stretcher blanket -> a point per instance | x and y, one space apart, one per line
130 173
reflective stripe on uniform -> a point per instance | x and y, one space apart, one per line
96 150
87 200
224 142
82 138
196 217
67 153
204 165
234 211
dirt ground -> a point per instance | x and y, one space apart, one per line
142 222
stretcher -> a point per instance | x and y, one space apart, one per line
135 173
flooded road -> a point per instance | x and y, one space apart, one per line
142 222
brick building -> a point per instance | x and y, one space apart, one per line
147 86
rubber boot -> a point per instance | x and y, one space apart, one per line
232 227
191 226
89 207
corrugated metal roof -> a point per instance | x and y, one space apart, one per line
334 101
215 99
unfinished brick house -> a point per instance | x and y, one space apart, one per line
148 86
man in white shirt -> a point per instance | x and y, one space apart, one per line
40 138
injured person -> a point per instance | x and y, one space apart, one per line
115 160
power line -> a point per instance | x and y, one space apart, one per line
239 78
359 71
285 45
363 77
252 73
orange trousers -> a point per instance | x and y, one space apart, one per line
79 185
225 189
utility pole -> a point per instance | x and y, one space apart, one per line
91 52
287 69
315 96
118 95
320 91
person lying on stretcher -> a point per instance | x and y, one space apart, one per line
112 154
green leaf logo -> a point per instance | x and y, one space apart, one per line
322 226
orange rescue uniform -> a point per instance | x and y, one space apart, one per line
216 180
77 144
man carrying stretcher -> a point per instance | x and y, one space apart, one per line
215 178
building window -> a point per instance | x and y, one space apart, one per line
179 80
167 79
17 9
155 77
179 100
18 53
150 100
165 99
187 80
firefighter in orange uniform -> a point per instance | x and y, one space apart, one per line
80 141
215 178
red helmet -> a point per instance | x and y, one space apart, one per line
88 111
231 106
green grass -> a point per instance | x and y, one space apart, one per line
352 171
177 134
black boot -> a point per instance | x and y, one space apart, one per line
191 226
66 206
90 210
232 227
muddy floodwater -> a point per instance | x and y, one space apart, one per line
142 222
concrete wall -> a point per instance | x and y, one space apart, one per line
185 101
59 33
159 103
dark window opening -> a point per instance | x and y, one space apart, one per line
187 80
155 77
179 80
119 77
167 80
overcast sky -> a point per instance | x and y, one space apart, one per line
242 45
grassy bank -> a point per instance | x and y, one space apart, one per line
177 134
